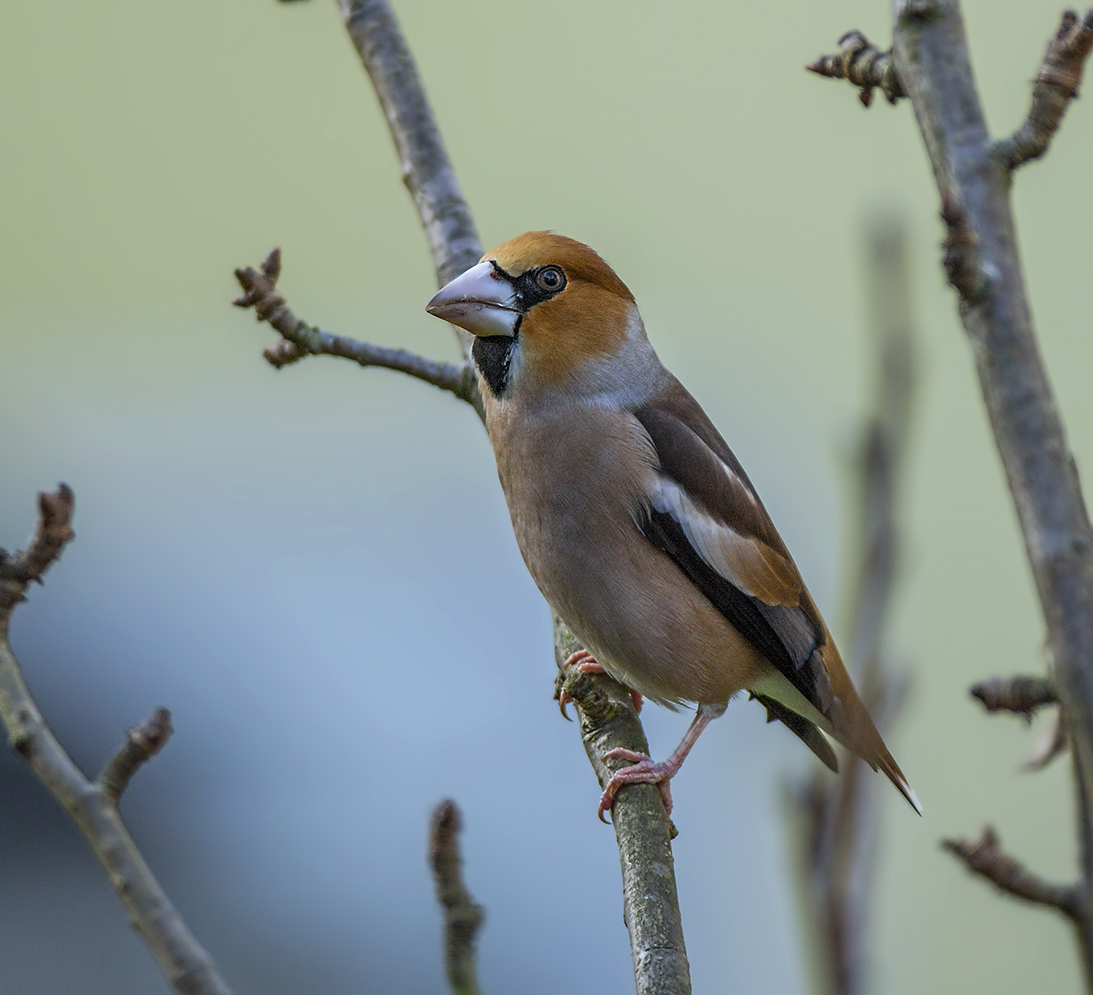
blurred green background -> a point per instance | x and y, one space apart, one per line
314 568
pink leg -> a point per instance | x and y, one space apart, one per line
586 663
644 771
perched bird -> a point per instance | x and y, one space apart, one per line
634 517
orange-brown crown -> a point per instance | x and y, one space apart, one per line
589 318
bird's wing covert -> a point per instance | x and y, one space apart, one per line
706 516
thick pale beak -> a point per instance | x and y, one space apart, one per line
480 300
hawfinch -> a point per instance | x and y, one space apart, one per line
634 517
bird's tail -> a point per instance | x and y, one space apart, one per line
854 728
887 763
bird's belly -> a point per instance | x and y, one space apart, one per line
626 600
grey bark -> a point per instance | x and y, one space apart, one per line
93 805
973 175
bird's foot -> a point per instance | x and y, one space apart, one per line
585 663
643 771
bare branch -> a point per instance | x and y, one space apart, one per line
299 339
643 830
52 534
141 744
462 916
986 858
838 818
1055 86
973 180
426 169
92 806
1052 745
864 65
1022 695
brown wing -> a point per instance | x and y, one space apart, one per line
707 517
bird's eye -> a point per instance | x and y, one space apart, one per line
550 279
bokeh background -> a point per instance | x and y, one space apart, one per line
314 568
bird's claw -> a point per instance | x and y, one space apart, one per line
642 771
585 663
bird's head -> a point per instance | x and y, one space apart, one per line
542 308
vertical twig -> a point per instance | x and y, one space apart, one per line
463 917
839 818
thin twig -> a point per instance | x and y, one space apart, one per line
1052 745
53 533
141 744
463 917
986 858
92 805
643 830
839 817
864 65
973 180
1055 86
1022 695
299 339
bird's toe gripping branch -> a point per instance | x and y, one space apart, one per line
643 771
584 662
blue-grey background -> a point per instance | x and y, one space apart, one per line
314 569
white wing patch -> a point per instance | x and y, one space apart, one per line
745 562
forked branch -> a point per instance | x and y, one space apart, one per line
299 339
93 805
973 175
868 67
983 262
986 858
1055 86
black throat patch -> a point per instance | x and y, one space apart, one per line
492 355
